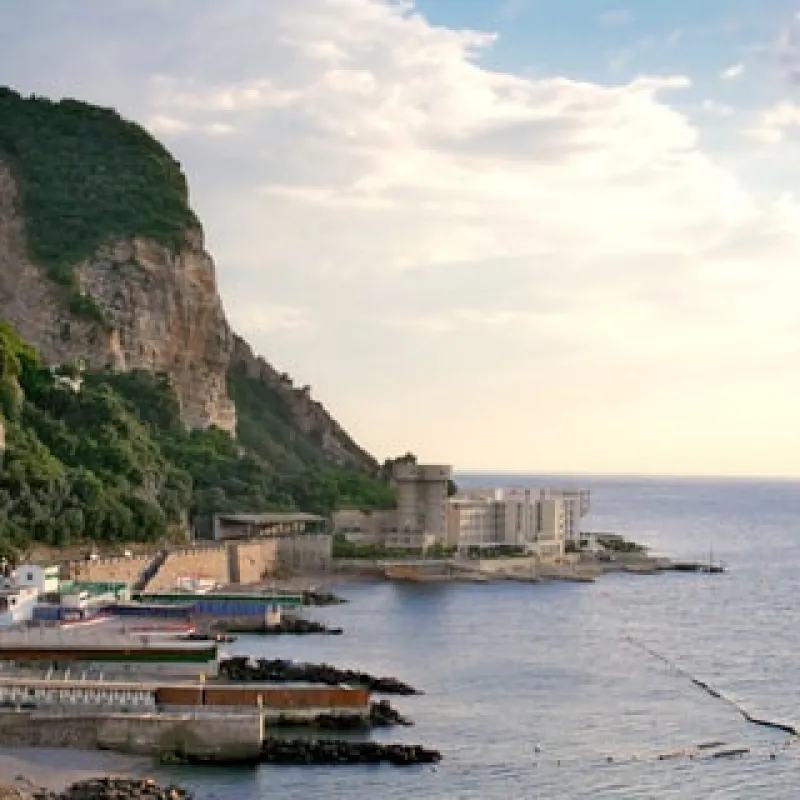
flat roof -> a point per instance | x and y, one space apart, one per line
264 519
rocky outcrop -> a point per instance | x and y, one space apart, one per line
308 415
164 312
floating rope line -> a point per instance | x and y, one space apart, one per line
715 693
703 751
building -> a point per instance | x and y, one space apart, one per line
533 521
364 527
17 604
551 527
576 507
420 519
422 494
225 527
493 520
33 576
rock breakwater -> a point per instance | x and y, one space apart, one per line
242 670
313 597
381 715
296 625
338 751
110 788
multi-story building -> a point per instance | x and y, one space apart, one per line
576 507
539 522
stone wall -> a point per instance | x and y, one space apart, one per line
309 553
205 563
111 570
254 560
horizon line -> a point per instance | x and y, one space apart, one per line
641 475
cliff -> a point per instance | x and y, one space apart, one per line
76 276
102 262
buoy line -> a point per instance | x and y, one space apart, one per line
704 751
784 727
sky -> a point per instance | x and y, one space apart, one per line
503 234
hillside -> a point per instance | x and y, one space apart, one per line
107 458
102 260
103 265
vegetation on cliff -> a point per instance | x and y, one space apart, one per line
88 177
111 460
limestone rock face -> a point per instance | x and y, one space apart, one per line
309 416
165 313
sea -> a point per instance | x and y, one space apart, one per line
549 691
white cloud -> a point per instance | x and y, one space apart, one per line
163 124
775 123
732 72
397 220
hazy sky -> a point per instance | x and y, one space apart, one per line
530 234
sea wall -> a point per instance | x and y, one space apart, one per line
221 736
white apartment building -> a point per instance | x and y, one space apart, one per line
482 520
576 506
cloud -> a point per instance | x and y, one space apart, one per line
732 72
775 123
397 220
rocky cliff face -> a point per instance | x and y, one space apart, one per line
309 416
164 311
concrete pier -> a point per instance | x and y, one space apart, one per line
217 737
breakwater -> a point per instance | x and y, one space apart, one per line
710 690
241 670
380 715
340 751
315 597
287 625
109 788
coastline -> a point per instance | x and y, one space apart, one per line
30 768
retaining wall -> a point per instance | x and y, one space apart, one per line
208 563
311 553
254 560
111 570
220 735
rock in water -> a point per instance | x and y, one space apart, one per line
340 751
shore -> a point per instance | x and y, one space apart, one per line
31 768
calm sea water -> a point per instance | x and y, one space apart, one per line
529 688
